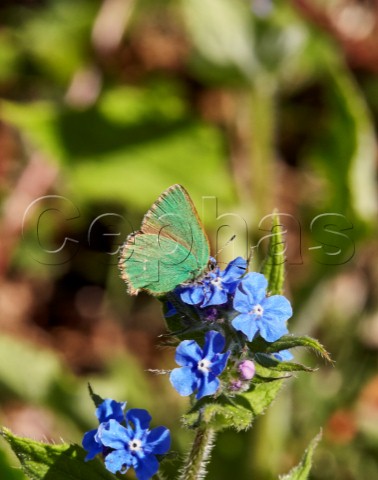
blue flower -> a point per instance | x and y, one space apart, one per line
107 410
135 445
283 355
215 287
260 314
199 367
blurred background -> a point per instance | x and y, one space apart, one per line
255 105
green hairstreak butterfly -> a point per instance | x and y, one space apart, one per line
170 248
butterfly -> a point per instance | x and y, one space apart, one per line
171 247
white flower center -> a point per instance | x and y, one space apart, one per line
257 310
217 282
204 365
135 445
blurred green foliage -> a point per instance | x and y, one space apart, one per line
118 100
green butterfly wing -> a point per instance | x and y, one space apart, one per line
171 247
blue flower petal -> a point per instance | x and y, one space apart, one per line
115 435
188 353
272 330
110 409
184 380
219 363
192 295
214 296
241 301
277 306
91 445
146 468
254 285
214 343
234 270
119 460
140 418
246 324
207 387
158 441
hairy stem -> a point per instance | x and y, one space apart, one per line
199 456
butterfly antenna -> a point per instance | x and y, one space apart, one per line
250 256
225 245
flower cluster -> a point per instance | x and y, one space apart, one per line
234 301
125 441
239 309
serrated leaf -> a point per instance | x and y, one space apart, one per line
286 342
43 461
302 470
274 264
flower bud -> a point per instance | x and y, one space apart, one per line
236 385
246 369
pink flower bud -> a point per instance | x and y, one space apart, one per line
246 369
236 385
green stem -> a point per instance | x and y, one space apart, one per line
198 458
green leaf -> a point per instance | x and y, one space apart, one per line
261 395
235 412
42 461
289 341
302 470
274 264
